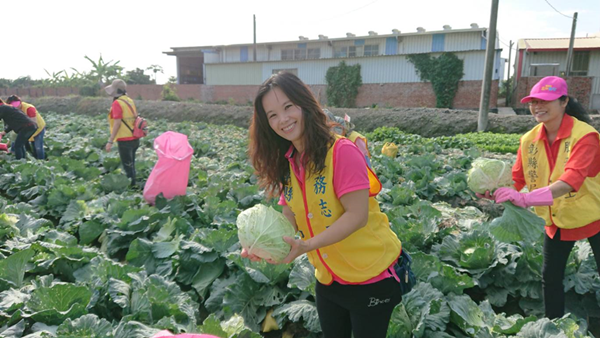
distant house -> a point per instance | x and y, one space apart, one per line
388 77
546 57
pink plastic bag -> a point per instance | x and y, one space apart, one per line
171 172
168 334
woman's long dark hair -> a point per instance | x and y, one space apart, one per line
267 150
575 109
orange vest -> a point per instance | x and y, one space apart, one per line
39 120
360 256
354 135
128 117
575 209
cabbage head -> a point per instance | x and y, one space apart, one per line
261 230
489 174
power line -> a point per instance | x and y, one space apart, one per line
507 45
557 11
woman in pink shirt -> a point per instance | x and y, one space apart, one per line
328 194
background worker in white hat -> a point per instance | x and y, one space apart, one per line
121 119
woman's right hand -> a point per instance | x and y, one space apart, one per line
487 195
250 256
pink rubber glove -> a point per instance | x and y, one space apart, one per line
538 197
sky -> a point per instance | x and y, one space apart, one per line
42 35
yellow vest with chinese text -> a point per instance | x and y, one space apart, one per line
354 135
357 258
128 117
39 120
575 209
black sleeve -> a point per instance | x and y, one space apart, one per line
7 128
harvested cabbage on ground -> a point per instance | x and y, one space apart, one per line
488 175
261 230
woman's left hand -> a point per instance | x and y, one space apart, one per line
108 147
298 247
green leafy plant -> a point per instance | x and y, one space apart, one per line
444 73
169 93
343 82
104 71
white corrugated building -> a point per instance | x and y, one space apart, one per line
382 57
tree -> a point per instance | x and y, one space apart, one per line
137 76
24 81
54 80
155 69
105 72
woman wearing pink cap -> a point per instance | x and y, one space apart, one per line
559 162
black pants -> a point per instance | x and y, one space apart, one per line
362 310
556 253
127 151
22 138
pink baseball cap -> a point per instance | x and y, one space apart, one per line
549 88
15 104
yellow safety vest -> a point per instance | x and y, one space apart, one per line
570 211
354 135
359 257
39 120
128 117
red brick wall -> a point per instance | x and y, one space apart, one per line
418 94
579 88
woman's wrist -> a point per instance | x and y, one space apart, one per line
110 142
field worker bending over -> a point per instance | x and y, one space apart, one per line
559 162
121 119
328 194
37 140
15 120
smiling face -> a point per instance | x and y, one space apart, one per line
284 117
548 112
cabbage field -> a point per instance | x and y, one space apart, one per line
82 255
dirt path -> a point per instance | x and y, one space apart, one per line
429 122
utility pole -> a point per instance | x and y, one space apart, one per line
571 43
507 103
486 86
254 17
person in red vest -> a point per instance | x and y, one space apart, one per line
559 162
121 119
37 139
328 194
